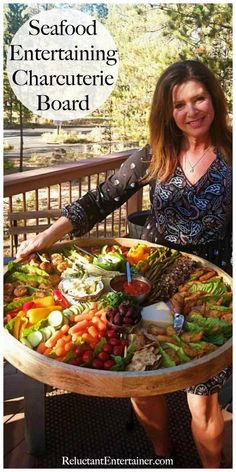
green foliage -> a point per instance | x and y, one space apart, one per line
205 31
148 39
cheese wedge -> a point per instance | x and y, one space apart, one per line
159 313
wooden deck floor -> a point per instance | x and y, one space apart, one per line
15 454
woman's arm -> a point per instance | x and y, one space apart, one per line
81 216
97 204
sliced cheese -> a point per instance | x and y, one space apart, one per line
158 313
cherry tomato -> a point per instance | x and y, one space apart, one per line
108 364
79 350
87 355
76 361
118 350
124 342
111 333
107 348
114 341
104 356
97 364
101 335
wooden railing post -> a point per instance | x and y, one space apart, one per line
135 202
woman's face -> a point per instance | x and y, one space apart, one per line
193 110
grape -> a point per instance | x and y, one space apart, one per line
130 312
118 319
128 321
122 309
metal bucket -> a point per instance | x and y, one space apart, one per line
136 223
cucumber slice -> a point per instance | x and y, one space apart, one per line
35 338
55 319
52 329
46 332
26 343
74 309
67 312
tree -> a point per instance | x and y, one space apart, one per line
205 31
15 17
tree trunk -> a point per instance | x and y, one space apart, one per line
21 139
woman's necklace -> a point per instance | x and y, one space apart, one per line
192 167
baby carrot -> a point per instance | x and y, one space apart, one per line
60 342
78 326
69 346
102 325
41 348
92 330
60 351
67 338
85 316
64 328
88 338
103 317
47 351
51 342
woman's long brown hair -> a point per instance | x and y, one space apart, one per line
165 136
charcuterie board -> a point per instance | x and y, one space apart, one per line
125 383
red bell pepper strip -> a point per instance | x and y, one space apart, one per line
60 299
27 306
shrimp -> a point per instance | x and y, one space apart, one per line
55 279
40 294
43 287
170 331
20 291
228 317
47 266
56 258
173 355
62 266
33 284
153 329
8 289
192 337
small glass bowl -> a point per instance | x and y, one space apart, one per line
118 280
74 299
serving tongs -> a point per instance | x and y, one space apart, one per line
98 270
177 305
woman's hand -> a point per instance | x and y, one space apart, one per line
41 241
45 239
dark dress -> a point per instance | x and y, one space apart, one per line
194 218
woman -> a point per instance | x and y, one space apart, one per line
187 165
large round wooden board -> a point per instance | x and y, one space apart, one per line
116 384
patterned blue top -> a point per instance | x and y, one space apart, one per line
188 213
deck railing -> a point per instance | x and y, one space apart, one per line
53 187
